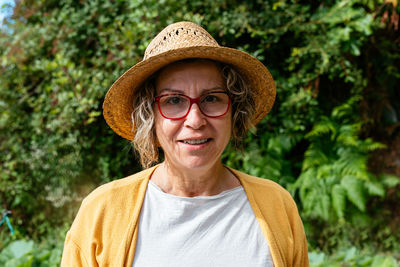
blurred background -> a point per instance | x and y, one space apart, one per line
332 138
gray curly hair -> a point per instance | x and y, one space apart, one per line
145 140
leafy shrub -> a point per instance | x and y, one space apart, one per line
335 168
351 257
24 253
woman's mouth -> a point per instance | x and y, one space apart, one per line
195 141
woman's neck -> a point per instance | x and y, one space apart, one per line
198 182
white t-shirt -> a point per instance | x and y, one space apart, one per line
206 231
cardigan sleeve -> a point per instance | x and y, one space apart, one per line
300 257
103 231
299 254
72 254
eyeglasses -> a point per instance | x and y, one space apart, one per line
177 106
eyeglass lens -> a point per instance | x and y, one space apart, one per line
176 106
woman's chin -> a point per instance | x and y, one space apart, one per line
195 163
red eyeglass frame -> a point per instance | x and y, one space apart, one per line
192 101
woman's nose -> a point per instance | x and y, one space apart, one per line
195 119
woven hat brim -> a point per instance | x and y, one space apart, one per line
118 103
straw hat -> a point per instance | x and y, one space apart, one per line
179 41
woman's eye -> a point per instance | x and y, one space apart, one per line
210 99
174 100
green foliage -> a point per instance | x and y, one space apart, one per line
351 257
336 66
23 253
335 176
17 251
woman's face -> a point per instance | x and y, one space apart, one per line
176 136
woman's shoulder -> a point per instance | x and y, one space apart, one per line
257 181
262 188
121 188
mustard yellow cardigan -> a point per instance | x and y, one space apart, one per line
105 231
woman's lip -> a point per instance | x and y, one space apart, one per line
184 141
195 147
193 139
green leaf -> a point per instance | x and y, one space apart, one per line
324 205
339 200
375 188
390 180
350 254
326 126
355 191
20 247
316 259
384 261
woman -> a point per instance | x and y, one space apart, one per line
187 99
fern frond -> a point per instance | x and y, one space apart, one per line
371 145
389 180
346 109
304 182
375 188
348 140
314 157
325 126
355 167
310 201
339 200
317 202
355 191
353 163
325 171
323 206
351 129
